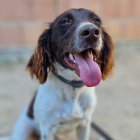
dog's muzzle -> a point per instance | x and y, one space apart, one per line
89 32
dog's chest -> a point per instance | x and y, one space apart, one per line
73 111
67 107
71 115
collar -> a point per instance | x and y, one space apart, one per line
74 84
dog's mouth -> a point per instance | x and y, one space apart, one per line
85 66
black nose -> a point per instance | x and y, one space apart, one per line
90 31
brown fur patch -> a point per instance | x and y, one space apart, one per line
30 111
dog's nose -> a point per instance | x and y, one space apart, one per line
90 31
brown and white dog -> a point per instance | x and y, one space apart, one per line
71 58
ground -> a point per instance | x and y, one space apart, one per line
118 109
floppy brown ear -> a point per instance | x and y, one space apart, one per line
40 62
107 55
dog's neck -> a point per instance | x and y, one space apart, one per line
66 73
74 84
54 82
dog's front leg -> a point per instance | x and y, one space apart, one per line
46 137
46 133
83 131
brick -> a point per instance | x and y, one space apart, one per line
62 5
43 10
22 21
124 30
132 30
26 9
10 34
93 5
14 10
25 34
116 8
108 8
31 32
115 29
135 9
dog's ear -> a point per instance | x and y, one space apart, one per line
107 55
40 62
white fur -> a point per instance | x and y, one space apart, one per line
24 127
59 108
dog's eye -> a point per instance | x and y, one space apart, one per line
66 22
96 20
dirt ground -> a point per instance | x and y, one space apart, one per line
118 109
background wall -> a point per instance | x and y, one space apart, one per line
21 21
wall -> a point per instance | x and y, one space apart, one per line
21 21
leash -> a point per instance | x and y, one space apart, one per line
101 132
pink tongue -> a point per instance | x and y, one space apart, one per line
89 70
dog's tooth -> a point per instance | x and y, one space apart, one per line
91 55
94 58
71 56
74 61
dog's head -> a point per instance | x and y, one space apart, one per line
77 41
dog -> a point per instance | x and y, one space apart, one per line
72 56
